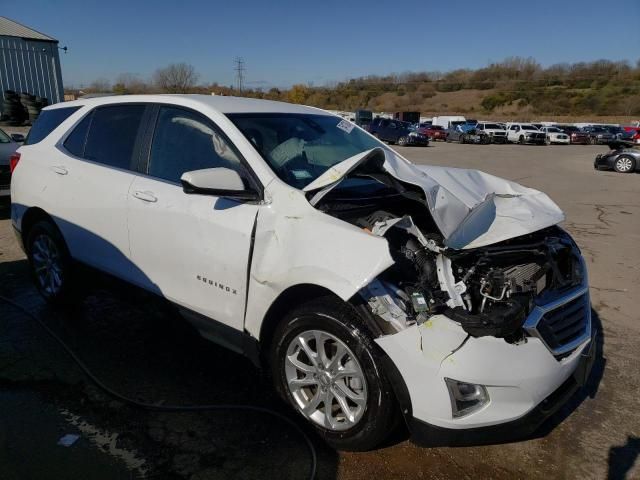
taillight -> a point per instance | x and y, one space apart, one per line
13 161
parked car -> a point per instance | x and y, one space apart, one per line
496 131
636 138
576 135
598 135
466 133
8 145
620 133
434 132
622 160
290 235
402 133
525 133
373 126
555 135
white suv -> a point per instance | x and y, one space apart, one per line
368 286
496 131
525 133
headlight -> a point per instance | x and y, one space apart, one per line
466 398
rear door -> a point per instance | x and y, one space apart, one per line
93 173
192 249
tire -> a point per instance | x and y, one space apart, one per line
56 283
547 141
463 139
447 139
624 164
593 141
403 141
521 140
373 412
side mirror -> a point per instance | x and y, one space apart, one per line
220 182
17 137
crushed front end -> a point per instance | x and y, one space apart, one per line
488 341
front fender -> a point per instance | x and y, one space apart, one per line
297 244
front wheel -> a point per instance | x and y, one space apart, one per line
326 365
403 141
521 140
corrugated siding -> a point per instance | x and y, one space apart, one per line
30 66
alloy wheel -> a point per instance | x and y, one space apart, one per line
325 380
623 164
47 264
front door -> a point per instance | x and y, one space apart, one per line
193 249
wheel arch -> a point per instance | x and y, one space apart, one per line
30 217
289 299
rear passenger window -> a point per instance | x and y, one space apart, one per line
113 134
184 141
47 122
75 142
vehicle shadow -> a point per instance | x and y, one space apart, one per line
5 208
622 459
136 344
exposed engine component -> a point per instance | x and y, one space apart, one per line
489 291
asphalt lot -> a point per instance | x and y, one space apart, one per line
141 349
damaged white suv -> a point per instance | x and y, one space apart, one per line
368 286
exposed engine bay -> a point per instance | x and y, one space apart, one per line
488 290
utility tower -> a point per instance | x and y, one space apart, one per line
239 73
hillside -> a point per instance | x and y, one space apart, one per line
515 88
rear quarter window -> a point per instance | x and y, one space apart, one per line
47 122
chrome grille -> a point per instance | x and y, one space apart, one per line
564 324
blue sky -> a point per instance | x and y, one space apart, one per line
286 42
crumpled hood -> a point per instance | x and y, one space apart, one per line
471 208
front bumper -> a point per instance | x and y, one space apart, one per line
427 435
581 140
535 140
418 140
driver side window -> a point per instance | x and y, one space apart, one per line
184 141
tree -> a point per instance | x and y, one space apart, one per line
298 94
127 83
176 78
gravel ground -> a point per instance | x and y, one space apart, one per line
139 347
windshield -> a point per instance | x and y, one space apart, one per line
529 127
492 126
301 147
554 130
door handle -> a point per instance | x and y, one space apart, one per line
59 169
145 196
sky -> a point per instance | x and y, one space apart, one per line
323 41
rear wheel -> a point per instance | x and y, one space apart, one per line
624 164
326 365
50 262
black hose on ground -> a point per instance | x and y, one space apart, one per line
167 408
